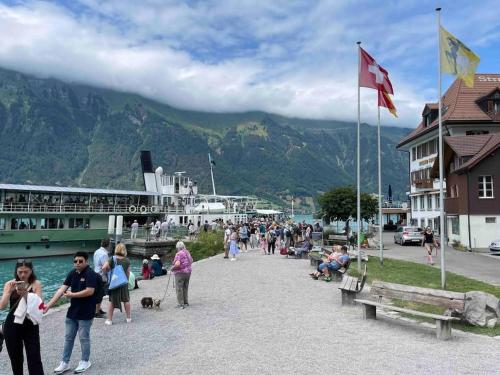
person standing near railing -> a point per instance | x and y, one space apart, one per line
134 228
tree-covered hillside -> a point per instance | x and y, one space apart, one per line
58 133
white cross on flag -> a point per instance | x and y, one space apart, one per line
373 75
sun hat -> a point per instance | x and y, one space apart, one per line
144 261
155 257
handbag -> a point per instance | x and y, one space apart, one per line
117 276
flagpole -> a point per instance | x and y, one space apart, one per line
380 187
358 161
441 162
211 172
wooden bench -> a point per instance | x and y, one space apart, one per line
336 239
452 301
351 286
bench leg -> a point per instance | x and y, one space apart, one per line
369 312
347 298
443 329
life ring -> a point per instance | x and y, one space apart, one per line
154 209
132 209
143 209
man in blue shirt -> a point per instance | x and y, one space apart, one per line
82 280
100 257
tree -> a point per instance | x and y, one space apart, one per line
340 204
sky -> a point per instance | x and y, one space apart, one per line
297 58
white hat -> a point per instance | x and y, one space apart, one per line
155 257
145 261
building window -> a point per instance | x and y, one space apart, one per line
436 202
485 186
429 202
422 203
413 153
455 225
419 152
490 220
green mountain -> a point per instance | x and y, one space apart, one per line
53 132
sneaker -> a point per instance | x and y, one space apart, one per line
82 367
232 259
129 320
62 368
179 306
186 305
99 315
226 257
108 322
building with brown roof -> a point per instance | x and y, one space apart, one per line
472 203
469 117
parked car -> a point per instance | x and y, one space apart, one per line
495 246
406 235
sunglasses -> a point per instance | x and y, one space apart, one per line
78 261
21 262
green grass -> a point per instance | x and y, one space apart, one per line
208 244
415 274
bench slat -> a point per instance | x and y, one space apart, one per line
407 311
453 300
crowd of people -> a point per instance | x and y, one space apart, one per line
85 287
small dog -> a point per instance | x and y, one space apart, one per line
148 302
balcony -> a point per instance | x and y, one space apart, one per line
425 183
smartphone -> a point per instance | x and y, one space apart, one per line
21 285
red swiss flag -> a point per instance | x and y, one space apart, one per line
373 75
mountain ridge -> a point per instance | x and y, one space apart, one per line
93 137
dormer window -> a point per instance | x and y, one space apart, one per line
490 103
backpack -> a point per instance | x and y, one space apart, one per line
272 236
288 233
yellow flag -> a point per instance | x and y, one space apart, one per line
457 59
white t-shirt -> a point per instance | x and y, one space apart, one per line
227 235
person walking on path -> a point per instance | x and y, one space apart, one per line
244 236
134 228
27 332
181 269
82 280
271 240
233 245
100 258
121 294
227 241
429 243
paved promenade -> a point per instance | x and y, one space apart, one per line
264 315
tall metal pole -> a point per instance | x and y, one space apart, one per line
441 163
358 162
380 188
211 172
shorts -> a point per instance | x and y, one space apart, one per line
244 240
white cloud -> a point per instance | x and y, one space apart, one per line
292 58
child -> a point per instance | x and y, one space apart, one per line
233 246
147 273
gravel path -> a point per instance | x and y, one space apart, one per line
264 315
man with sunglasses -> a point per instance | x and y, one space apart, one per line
82 280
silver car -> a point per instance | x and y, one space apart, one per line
406 235
495 246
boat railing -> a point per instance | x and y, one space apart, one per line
91 208
147 233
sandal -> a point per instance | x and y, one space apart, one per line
314 277
327 279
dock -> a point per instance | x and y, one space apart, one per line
146 248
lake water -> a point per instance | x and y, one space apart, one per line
51 271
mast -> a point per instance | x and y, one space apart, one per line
210 161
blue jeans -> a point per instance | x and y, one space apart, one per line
83 328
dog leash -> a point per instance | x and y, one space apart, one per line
166 289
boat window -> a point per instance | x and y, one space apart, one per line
51 223
2 224
23 223
79 223
32 223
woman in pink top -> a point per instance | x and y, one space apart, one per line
182 272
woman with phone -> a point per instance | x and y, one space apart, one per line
26 334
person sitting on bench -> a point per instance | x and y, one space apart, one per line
305 246
334 262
